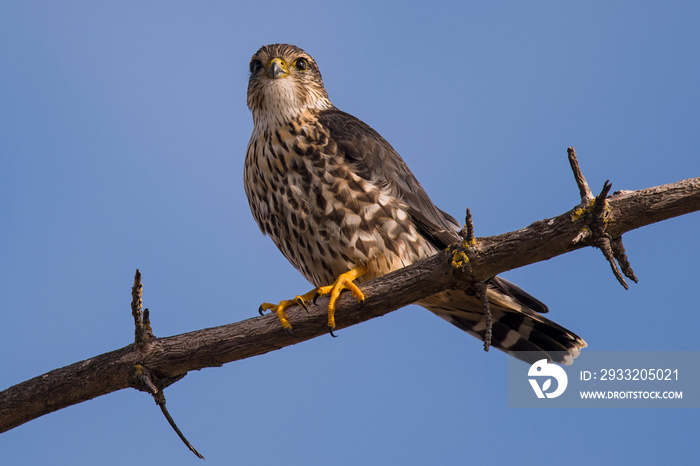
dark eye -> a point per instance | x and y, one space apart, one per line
255 65
301 64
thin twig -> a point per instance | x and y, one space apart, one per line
145 382
467 233
147 325
612 250
600 202
140 336
603 244
618 251
488 332
584 189
143 379
601 238
160 401
461 260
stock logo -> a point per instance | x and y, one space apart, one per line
546 372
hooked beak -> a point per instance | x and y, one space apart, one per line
276 68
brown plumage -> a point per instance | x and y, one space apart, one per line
335 197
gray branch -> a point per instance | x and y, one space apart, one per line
169 359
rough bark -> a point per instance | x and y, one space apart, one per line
166 360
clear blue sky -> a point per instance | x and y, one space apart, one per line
123 128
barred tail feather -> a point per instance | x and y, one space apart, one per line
516 327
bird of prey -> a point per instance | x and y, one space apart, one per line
343 208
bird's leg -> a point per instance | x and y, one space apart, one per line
345 281
279 308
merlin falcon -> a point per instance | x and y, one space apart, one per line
343 208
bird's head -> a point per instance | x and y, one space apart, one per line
284 82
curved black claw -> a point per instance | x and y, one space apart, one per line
291 332
301 303
260 310
316 297
330 330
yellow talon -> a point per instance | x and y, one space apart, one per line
343 282
279 308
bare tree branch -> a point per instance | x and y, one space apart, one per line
169 359
584 190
